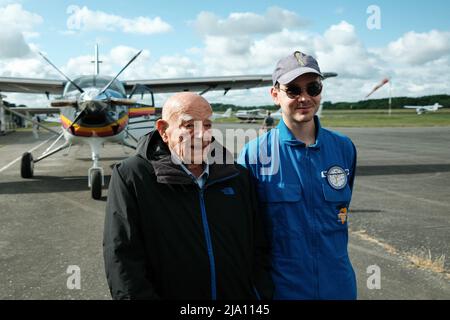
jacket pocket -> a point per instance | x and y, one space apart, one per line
332 214
330 209
341 196
282 206
275 193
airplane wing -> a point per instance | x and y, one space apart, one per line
205 84
25 110
202 85
26 85
412 107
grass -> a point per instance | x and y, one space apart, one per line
381 118
424 260
376 118
421 259
367 118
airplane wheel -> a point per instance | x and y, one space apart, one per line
96 184
27 166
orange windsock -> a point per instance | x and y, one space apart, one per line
382 83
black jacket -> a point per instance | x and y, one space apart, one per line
165 238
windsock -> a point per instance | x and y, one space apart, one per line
382 83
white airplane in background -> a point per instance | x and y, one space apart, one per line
226 114
423 109
251 115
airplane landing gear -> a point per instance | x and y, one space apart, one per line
27 166
96 183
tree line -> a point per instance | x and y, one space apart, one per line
397 103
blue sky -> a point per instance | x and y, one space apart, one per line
235 37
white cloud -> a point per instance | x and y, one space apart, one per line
340 50
13 16
120 55
174 67
417 48
12 44
87 20
18 25
82 65
245 23
112 62
341 34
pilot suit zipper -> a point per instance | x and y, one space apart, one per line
314 235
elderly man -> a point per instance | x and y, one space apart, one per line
304 175
178 226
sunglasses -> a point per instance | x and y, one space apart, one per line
313 89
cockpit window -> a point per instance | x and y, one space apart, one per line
94 82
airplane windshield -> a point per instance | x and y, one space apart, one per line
96 82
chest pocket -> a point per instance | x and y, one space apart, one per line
332 195
329 210
282 207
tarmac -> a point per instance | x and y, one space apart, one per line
399 218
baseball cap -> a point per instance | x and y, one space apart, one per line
293 66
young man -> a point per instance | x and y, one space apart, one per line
178 226
304 175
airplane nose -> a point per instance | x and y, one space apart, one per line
93 106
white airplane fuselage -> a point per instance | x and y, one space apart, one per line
422 109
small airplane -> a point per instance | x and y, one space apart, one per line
250 115
95 109
226 114
423 109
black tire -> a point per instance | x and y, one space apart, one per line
96 184
27 166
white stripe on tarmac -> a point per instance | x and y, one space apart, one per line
31 150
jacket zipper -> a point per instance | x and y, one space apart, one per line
212 264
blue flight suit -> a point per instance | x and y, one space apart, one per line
302 191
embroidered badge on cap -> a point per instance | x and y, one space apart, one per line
337 177
299 57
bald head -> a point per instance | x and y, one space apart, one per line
186 126
185 104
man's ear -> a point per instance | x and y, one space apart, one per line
161 126
274 93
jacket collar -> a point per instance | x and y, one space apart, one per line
287 137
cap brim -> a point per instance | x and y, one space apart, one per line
293 74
